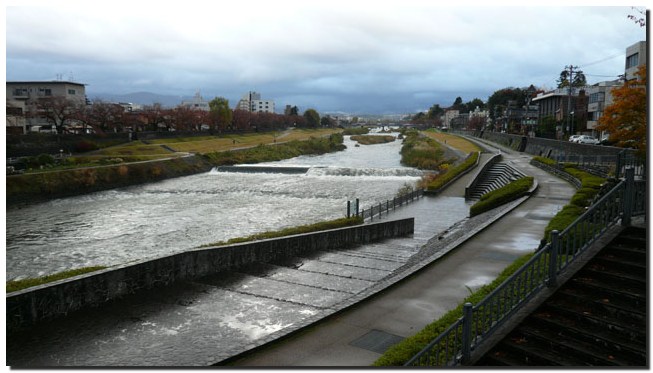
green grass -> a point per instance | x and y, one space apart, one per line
321 226
356 131
266 153
30 282
421 152
508 193
372 139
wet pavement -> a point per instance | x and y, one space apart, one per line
211 319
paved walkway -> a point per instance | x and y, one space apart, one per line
355 336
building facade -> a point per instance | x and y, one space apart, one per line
253 103
196 103
635 57
23 97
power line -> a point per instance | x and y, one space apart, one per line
603 59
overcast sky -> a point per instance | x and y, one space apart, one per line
382 57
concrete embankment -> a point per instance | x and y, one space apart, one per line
30 306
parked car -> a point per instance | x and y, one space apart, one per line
574 138
584 139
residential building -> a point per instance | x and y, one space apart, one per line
449 114
253 103
568 108
196 103
600 96
635 57
23 96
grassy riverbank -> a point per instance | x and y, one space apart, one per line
268 153
422 152
55 183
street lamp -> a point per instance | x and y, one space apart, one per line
571 125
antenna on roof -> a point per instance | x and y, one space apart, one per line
70 77
59 77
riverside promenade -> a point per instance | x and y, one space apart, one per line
358 335
242 318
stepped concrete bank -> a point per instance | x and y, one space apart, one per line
29 306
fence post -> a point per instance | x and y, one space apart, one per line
553 258
467 333
357 204
617 171
348 209
628 197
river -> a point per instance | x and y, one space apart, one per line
124 225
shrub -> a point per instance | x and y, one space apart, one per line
438 181
508 193
85 146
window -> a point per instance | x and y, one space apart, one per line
71 92
597 97
632 61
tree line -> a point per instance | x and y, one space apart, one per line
68 116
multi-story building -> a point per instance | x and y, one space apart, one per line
568 108
196 103
635 57
23 96
600 96
253 103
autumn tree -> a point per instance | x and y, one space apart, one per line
104 116
625 118
58 111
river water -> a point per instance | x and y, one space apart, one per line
129 224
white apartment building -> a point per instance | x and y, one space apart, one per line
253 103
196 103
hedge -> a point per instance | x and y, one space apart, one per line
508 193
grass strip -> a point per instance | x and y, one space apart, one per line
30 282
321 226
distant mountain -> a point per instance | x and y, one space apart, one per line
140 98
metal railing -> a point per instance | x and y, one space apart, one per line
381 207
454 345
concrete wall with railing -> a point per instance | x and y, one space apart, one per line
29 306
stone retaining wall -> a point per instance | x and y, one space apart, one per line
29 306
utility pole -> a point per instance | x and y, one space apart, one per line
570 123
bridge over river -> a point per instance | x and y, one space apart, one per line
211 319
